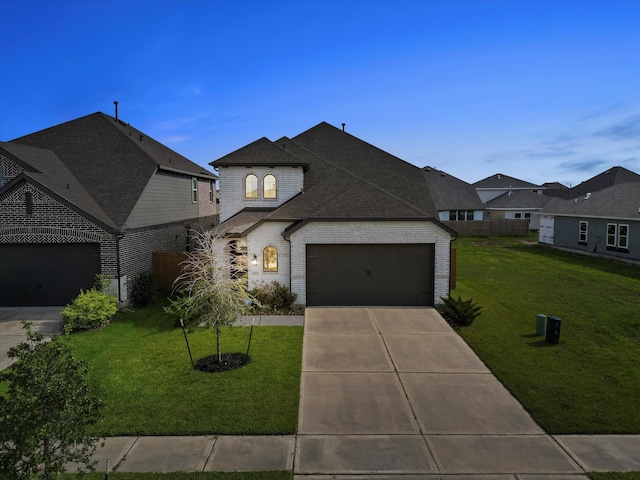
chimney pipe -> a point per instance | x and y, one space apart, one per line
343 124
116 104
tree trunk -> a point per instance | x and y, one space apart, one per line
218 352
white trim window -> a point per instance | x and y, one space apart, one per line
251 186
618 236
623 236
194 189
612 236
211 190
270 259
583 232
460 215
269 186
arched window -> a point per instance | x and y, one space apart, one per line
251 186
269 189
270 259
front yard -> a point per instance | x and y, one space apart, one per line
141 366
590 381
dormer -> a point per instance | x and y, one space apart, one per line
262 174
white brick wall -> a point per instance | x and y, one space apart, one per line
269 233
379 232
289 183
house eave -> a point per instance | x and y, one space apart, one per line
297 225
598 217
203 174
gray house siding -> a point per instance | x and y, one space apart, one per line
567 235
166 198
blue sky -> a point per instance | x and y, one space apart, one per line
539 90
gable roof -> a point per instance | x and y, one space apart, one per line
519 199
621 201
500 180
44 168
110 159
262 152
347 178
451 193
612 176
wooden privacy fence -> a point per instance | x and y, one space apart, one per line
167 268
485 228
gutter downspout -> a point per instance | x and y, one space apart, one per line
119 237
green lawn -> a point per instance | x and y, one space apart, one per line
590 381
141 367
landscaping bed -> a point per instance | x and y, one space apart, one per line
590 381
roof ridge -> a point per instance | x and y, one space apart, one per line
342 169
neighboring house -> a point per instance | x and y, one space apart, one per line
608 178
518 205
605 222
499 184
508 198
455 199
92 196
334 218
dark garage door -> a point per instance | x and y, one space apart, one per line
375 275
46 274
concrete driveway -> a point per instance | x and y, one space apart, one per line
396 391
46 320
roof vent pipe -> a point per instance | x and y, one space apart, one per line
343 124
116 104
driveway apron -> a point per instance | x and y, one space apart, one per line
396 391
46 320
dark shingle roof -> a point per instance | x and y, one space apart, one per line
111 160
612 176
617 201
519 199
499 180
361 160
45 168
262 152
346 178
451 193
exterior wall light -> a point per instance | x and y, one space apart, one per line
254 260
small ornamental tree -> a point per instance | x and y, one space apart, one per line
44 415
207 293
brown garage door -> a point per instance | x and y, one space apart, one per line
374 275
46 274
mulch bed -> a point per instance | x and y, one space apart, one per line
230 361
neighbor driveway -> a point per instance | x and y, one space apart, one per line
46 320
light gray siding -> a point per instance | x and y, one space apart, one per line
289 184
165 199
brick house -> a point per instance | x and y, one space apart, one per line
334 218
92 196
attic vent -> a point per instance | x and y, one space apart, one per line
588 194
499 176
140 137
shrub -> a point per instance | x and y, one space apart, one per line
274 298
90 309
459 312
144 288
